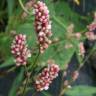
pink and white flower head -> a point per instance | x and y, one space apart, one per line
78 35
90 35
19 50
75 75
42 25
81 49
92 26
45 78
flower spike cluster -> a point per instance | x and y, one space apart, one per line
42 25
19 50
45 78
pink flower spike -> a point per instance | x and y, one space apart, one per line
19 50
42 25
45 78
81 49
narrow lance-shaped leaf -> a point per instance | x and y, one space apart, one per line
16 83
7 63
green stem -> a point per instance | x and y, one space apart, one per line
24 90
2 74
61 84
11 69
22 6
58 21
91 52
34 64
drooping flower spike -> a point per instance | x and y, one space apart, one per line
19 50
45 78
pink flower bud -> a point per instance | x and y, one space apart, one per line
78 35
66 83
75 75
81 48
92 26
90 35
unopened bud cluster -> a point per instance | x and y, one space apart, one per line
42 25
92 26
28 6
75 75
81 49
45 78
19 50
91 35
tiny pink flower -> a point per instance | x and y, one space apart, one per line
92 26
75 75
66 83
78 35
90 35
81 49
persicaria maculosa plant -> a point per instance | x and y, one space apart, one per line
40 74
21 53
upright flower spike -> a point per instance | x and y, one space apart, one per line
45 78
19 50
42 25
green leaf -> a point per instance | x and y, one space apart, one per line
10 4
7 63
82 91
50 5
62 58
67 13
27 28
16 83
58 53
5 45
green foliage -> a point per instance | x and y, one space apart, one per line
82 91
8 62
16 83
10 4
